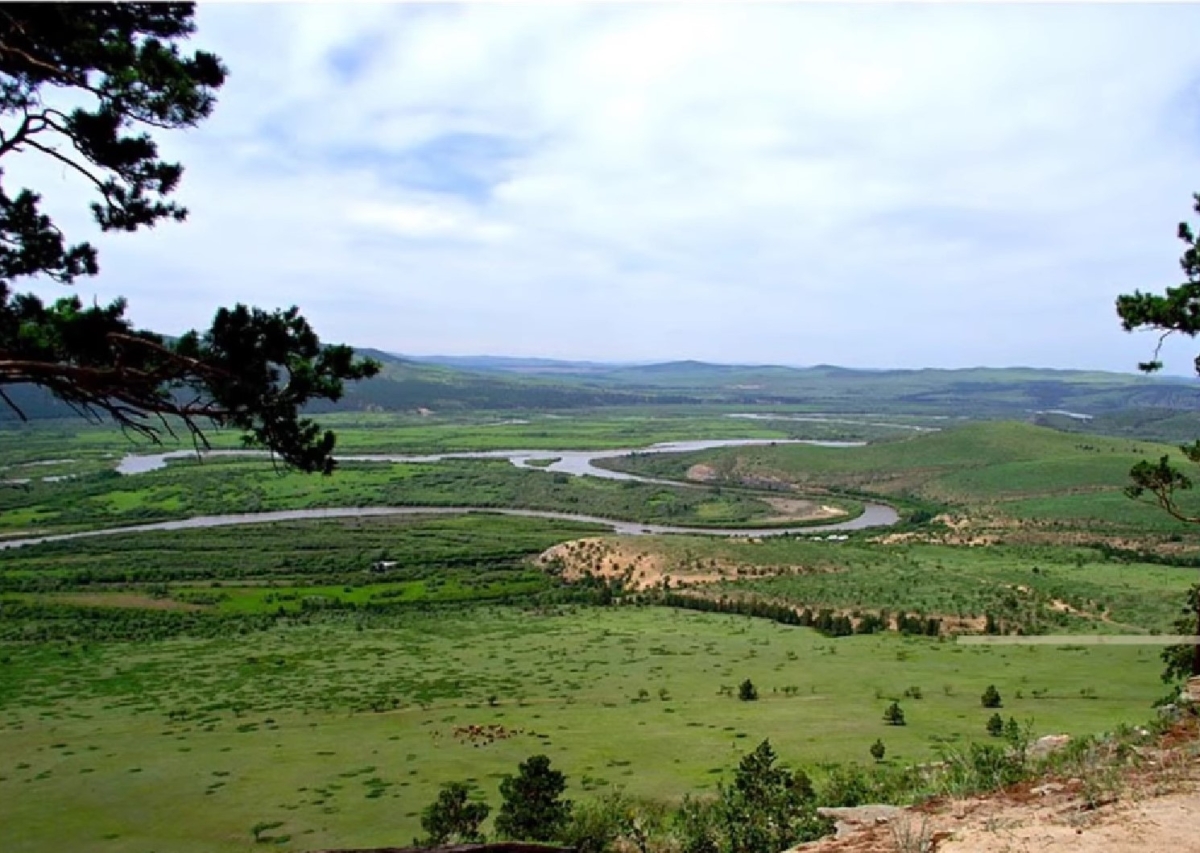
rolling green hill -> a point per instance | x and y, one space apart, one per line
1015 470
1123 404
977 392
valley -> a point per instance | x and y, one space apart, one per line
331 643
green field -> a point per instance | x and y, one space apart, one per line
230 485
343 727
476 548
1028 586
365 432
96 497
1009 469
172 690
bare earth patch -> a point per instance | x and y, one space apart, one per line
1155 807
798 509
700 473
615 560
1058 823
641 569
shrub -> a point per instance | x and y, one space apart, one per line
848 785
452 816
894 715
261 827
596 826
987 766
696 826
878 750
640 823
747 692
1016 737
995 725
991 697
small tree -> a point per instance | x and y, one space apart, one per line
991 697
747 692
878 750
1013 733
894 716
767 808
995 725
452 816
533 807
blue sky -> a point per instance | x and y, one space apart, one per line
863 184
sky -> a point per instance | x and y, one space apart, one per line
866 185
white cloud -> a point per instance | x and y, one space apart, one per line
857 184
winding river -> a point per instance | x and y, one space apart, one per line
574 462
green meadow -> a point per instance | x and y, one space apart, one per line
221 485
1014 470
173 691
391 432
1042 588
342 727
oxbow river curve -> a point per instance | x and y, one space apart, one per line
575 462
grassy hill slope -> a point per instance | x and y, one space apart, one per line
1016 470
1124 404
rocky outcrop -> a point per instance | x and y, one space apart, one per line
1191 691
848 820
1044 746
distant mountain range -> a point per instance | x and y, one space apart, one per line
497 382
457 384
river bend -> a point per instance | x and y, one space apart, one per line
575 462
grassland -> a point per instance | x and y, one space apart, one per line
1007 470
170 691
94 496
978 392
475 549
342 727
231 485
1040 588
365 432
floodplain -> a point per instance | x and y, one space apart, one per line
175 690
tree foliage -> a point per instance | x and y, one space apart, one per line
86 87
616 821
533 807
1181 659
893 715
767 808
1176 311
453 816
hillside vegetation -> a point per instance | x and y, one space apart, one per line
323 679
472 385
1003 469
